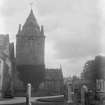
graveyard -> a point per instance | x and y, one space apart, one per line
25 77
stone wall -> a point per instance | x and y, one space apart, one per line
30 51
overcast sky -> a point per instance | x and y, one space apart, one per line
74 29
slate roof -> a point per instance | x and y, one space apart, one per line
31 21
30 26
53 74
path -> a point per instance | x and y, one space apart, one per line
17 100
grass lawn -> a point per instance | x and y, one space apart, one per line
40 103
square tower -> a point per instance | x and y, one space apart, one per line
30 44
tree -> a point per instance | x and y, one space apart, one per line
93 70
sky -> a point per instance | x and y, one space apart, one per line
74 29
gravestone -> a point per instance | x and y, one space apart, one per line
70 92
84 97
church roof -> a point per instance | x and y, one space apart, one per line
53 74
31 18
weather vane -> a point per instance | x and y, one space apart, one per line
31 4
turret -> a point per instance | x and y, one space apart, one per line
42 29
19 30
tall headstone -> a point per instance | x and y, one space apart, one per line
84 91
70 94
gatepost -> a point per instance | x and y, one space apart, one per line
28 95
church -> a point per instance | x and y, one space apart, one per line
28 66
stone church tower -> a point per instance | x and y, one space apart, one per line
30 44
